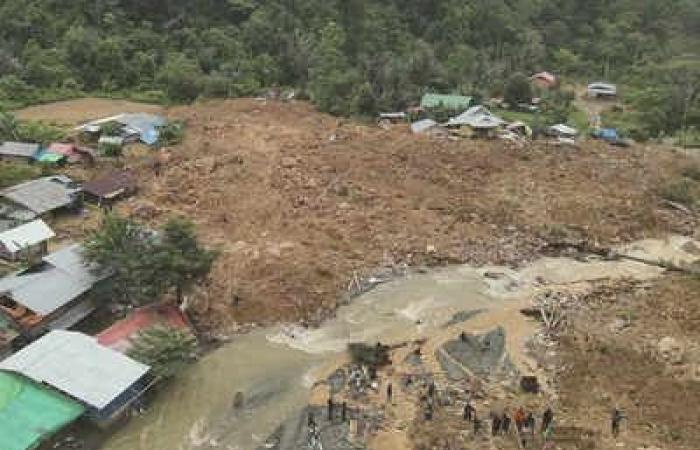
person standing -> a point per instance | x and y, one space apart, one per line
468 412
519 419
389 392
547 419
331 407
505 423
616 419
495 424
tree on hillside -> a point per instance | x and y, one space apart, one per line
167 350
145 265
182 261
518 89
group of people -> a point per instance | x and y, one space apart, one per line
525 422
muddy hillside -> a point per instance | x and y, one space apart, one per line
300 203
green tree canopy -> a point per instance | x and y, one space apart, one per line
144 264
167 350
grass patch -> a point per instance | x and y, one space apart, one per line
14 173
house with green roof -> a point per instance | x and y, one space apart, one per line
31 413
442 101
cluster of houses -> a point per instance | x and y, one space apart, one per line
477 121
110 131
53 373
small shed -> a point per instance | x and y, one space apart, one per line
103 380
442 101
45 195
30 239
30 413
51 295
109 188
18 151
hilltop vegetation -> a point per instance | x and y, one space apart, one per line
349 56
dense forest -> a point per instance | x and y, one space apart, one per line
349 56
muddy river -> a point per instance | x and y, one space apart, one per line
275 368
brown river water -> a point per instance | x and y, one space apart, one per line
275 368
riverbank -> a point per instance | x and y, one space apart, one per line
277 369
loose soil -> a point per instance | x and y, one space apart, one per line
607 366
298 202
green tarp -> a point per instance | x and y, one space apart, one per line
453 102
29 413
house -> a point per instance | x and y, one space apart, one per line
45 195
602 90
479 119
386 120
18 151
119 336
107 189
544 80
102 380
562 131
440 101
50 295
30 413
30 239
69 151
131 127
476 117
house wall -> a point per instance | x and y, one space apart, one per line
117 410
32 251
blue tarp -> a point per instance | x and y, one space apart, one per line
607 134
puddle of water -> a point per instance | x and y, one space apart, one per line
274 367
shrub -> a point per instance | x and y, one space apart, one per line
172 133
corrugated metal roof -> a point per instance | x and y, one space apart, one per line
44 194
29 413
62 280
77 365
111 184
26 235
445 101
20 149
477 117
119 336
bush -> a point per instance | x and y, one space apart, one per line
172 133
518 89
109 149
166 350
39 132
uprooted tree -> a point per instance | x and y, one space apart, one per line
143 264
167 350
